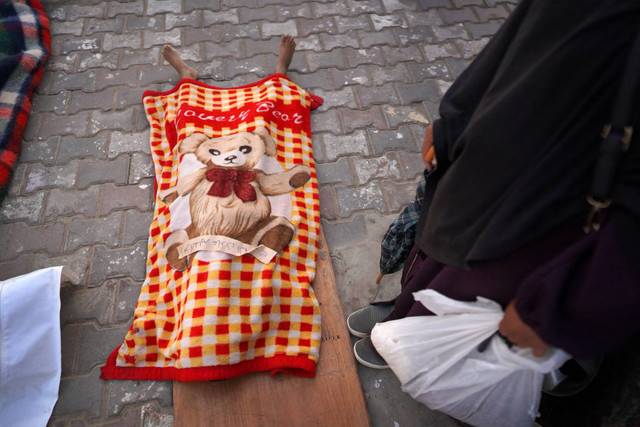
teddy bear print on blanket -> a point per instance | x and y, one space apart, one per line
229 196
234 238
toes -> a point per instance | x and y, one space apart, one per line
168 50
287 39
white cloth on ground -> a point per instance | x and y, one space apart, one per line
30 347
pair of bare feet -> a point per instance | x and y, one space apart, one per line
286 50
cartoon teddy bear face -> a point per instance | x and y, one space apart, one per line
236 152
241 151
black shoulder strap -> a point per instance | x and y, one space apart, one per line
616 136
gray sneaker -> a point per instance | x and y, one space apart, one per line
361 322
366 354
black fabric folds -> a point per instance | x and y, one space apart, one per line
520 132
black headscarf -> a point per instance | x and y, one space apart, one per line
519 132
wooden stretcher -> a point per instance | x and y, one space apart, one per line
333 398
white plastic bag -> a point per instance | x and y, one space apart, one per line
437 361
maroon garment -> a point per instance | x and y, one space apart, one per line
579 292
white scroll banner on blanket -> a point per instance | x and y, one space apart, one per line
226 245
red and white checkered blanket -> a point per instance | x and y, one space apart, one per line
234 240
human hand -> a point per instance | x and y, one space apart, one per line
428 154
515 330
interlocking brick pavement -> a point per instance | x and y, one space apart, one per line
82 192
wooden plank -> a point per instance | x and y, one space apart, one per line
333 398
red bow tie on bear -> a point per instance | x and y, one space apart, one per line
226 179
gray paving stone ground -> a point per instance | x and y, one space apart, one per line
82 192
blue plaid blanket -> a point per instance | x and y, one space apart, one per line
25 44
398 240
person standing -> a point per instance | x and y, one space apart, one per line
516 147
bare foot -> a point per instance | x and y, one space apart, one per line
287 48
173 58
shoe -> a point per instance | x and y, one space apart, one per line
367 355
361 322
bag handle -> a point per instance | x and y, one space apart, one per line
616 138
